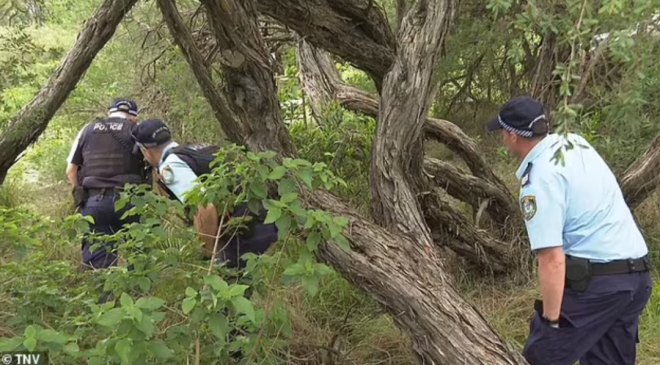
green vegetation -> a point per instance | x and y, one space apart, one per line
170 309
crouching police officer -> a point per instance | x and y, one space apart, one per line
592 259
102 160
178 168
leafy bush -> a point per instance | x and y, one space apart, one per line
172 307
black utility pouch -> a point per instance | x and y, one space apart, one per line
80 196
578 274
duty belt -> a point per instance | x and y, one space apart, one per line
102 191
615 267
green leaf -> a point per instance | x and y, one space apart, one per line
218 325
216 283
136 313
294 270
152 303
274 214
126 300
334 229
190 292
286 186
237 290
343 243
111 318
306 176
289 197
243 305
30 332
144 283
188 305
268 154
341 221
123 348
277 173
146 326
313 240
159 349
311 284
120 204
10 344
283 225
258 189
30 343
71 348
51 336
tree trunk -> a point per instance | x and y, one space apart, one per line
191 52
400 273
248 74
321 81
28 124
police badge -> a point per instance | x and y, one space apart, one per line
528 206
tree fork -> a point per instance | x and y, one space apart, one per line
30 122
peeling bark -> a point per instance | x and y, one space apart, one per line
642 177
28 124
248 74
184 40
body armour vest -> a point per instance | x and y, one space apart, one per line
110 159
199 157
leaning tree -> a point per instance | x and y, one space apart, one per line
395 258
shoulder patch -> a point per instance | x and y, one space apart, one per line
524 179
167 175
528 206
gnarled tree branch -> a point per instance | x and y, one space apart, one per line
355 30
28 124
642 177
321 81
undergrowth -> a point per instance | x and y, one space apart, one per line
294 317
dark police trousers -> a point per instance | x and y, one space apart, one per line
106 221
597 327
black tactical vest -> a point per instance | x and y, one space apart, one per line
199 157
109 157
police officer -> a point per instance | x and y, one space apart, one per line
592 259
102 160
178 168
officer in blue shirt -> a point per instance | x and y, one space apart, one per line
593 262
102 160
179 168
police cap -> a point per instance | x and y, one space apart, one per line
523 116
124 105
152 133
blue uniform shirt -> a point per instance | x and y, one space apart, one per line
578 205
177 175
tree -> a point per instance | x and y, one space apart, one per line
26 127
396 260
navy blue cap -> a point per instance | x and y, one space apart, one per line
152 133
125 106
518 116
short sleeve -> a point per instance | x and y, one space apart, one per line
177 176
543 205
76 155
